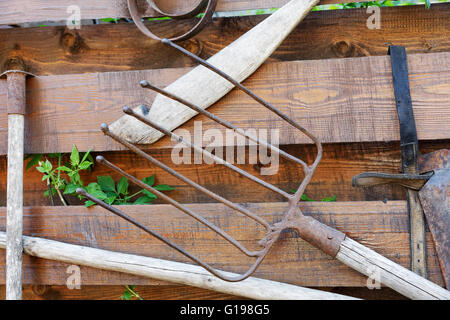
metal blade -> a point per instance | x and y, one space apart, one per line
435 200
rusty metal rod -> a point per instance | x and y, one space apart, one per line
179 206
312 168
147 85
236 83
121 214
218 160
104 127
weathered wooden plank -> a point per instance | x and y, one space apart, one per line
333 177
339 100
161 292
172 292
380 226
324 34
54 10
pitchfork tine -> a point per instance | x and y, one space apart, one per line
147 85
179 206
218 160
121 214
104 127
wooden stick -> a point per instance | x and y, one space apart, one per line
14 202
181 273
202 87
381 269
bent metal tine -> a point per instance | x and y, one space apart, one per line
146 84
236 83
106 131
171 244
218 160
178 205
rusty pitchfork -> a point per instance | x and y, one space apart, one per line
327 239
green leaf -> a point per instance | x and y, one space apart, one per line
149 194
89 203
109 19
110 199
75 178
35 158
164 187
143 200
84 165
85 156
149 180
74 157
106 183
306 198
40 169
94 189
122 186
47 166
70 188
64 168
330 199
126 295
45 177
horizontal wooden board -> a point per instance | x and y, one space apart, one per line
20 11
322 35
170 292
160 292
380 226
333 177
339 100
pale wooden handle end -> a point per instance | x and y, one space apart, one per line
390 274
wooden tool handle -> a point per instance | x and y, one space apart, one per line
176 272
14 193
389 273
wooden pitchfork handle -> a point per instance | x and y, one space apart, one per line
363 259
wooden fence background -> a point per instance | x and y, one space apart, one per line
332 73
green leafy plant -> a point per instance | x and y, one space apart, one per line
130 294
304 197
62 179
107 190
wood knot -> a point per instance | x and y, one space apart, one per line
40 290
193 45
346 49
343 49
72 43
15 63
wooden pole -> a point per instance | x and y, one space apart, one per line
14 194
181 273
389 273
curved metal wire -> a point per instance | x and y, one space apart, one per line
209 12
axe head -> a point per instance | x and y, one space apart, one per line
435 200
